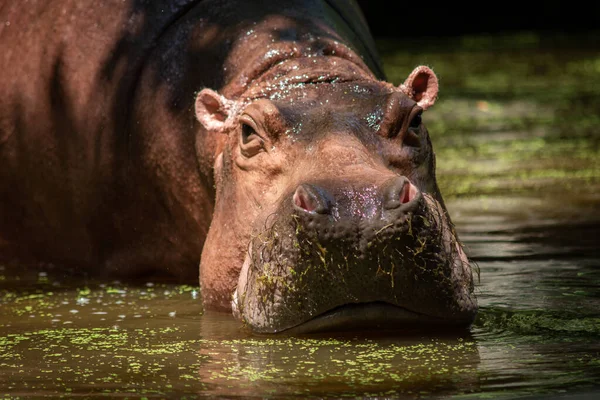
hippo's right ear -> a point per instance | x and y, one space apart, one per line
213 110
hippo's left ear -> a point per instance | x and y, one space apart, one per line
421 86
213 110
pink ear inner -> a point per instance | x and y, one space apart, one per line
421 86
213 110
212 106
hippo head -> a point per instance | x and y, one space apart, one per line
328 215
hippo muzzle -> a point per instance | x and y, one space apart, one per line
373 257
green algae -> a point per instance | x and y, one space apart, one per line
507 166
98 356
292 364
497 68
540 323
111 358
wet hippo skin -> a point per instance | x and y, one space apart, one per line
256 140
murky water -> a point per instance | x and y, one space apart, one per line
520 170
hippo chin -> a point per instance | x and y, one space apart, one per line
301 182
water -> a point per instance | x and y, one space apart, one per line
521 177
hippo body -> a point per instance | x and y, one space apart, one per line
255 139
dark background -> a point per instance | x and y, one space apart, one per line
397 18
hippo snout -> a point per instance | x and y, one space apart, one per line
398 191
354 212
363 244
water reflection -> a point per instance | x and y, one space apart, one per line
321 366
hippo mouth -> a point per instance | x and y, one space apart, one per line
377 317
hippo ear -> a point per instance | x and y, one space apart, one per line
213 110
421 86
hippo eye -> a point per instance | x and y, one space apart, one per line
247 133
416 121
411 137
250 142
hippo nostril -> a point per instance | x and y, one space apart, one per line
310 199
400 191
303 200
409 191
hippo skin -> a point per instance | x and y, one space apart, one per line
256 139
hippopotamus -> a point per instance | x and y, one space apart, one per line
255 145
